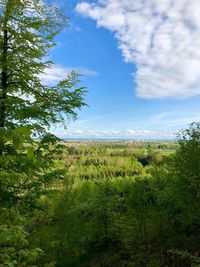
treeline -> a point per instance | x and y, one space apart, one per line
122 149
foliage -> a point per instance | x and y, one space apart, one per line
97 205
28 107
27 32
15 250
135 219
188 157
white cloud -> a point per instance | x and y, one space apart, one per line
162 37
113 134
57 72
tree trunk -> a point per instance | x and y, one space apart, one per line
4 81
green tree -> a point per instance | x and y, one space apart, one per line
27 32
187 160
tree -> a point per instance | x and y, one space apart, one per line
187 158
27 31
27 107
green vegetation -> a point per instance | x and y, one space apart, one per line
27 34
65 204
102 204
111 210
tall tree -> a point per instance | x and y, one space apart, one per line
27 32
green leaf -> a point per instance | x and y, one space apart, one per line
30 152
24 131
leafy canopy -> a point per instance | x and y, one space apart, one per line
27 32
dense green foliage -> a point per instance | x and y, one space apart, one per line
110 210
28 107
100 204
27 31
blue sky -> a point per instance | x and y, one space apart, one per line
142 82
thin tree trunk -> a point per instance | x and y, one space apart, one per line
4 81
145 243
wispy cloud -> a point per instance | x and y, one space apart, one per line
175 119
74 27
162 37
57 72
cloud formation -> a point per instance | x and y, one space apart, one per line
162 37
57 72
114 134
